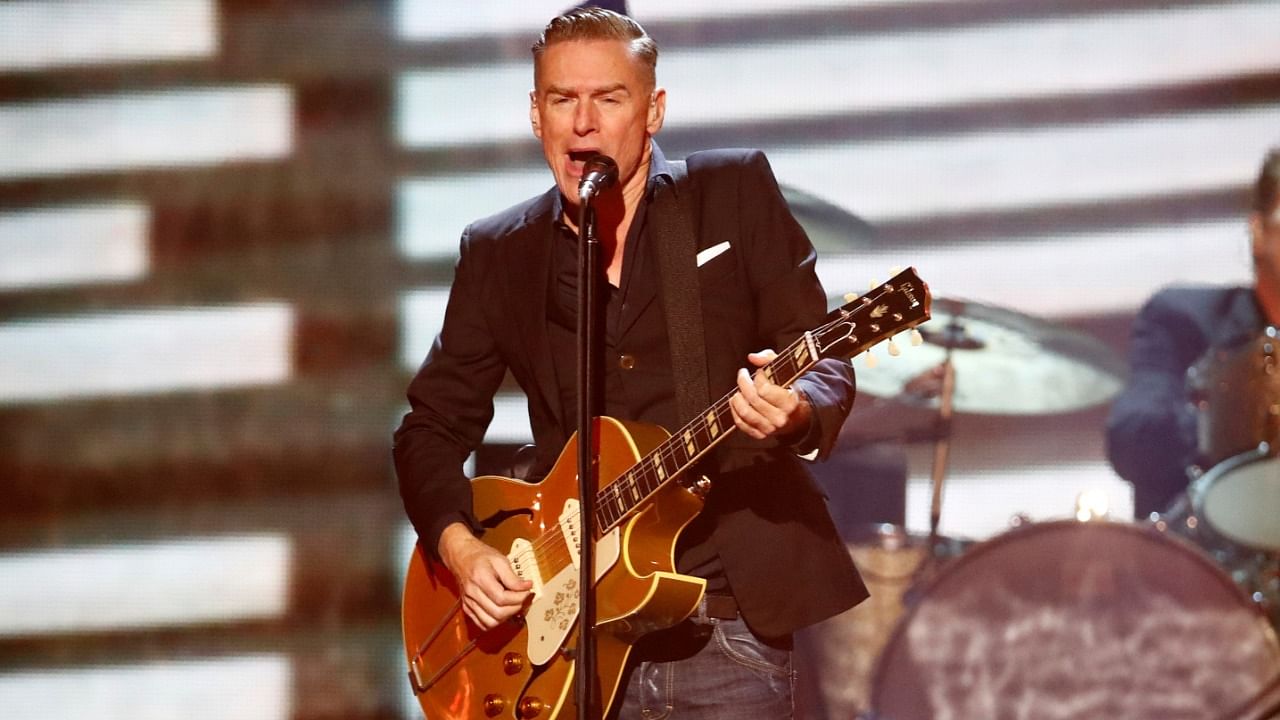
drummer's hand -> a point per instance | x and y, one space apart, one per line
490 590
762 409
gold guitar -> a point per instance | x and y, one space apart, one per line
523 668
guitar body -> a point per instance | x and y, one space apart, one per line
521 668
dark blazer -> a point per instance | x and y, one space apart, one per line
1151 429
783 558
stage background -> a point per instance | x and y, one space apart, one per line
227 230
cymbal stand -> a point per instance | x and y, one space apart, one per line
941 446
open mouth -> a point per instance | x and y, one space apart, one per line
577 158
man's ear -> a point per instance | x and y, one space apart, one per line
657 110
534 120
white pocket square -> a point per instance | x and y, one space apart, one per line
706 255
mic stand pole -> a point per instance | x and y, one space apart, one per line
589 383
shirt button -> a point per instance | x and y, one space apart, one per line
626 361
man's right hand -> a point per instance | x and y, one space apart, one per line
490 589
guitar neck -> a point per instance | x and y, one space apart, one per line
902 302
691 442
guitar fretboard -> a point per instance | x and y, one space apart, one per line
691 442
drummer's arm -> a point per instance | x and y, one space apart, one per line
1151 430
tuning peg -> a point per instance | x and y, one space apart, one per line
893 271
916 338
870 360
850 297
893 349
873 284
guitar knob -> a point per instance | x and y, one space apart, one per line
512 663
531 707
494 705
893 349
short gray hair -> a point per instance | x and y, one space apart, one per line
593 23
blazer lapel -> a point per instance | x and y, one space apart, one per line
528 272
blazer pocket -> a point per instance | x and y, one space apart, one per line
716 263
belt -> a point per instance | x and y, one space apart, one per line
720 607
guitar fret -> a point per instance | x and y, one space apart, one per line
799 355
673 460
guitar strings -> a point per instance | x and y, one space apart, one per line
551 551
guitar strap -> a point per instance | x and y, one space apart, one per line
677 253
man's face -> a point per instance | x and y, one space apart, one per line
594 96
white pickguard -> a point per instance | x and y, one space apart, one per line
554 609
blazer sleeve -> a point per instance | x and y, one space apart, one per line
1151 426
451 405
789 298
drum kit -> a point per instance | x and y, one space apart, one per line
1171 617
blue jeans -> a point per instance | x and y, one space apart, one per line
716 671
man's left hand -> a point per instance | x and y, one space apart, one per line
763 409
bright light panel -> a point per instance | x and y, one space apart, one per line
981 505
178 128
250 687
862 74
145 351
142 585
74 244
46 34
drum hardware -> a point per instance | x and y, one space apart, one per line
1255 572
952 336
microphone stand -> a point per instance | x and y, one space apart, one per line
589 382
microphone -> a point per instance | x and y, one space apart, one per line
598 173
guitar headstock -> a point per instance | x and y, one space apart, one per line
885 310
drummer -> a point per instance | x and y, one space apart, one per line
1151 431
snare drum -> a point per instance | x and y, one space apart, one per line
1240 499
1064 619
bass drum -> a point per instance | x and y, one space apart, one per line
1065 620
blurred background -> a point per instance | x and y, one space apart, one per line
227 231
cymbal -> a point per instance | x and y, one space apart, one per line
1006 363
830 227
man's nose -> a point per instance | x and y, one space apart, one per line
584 118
